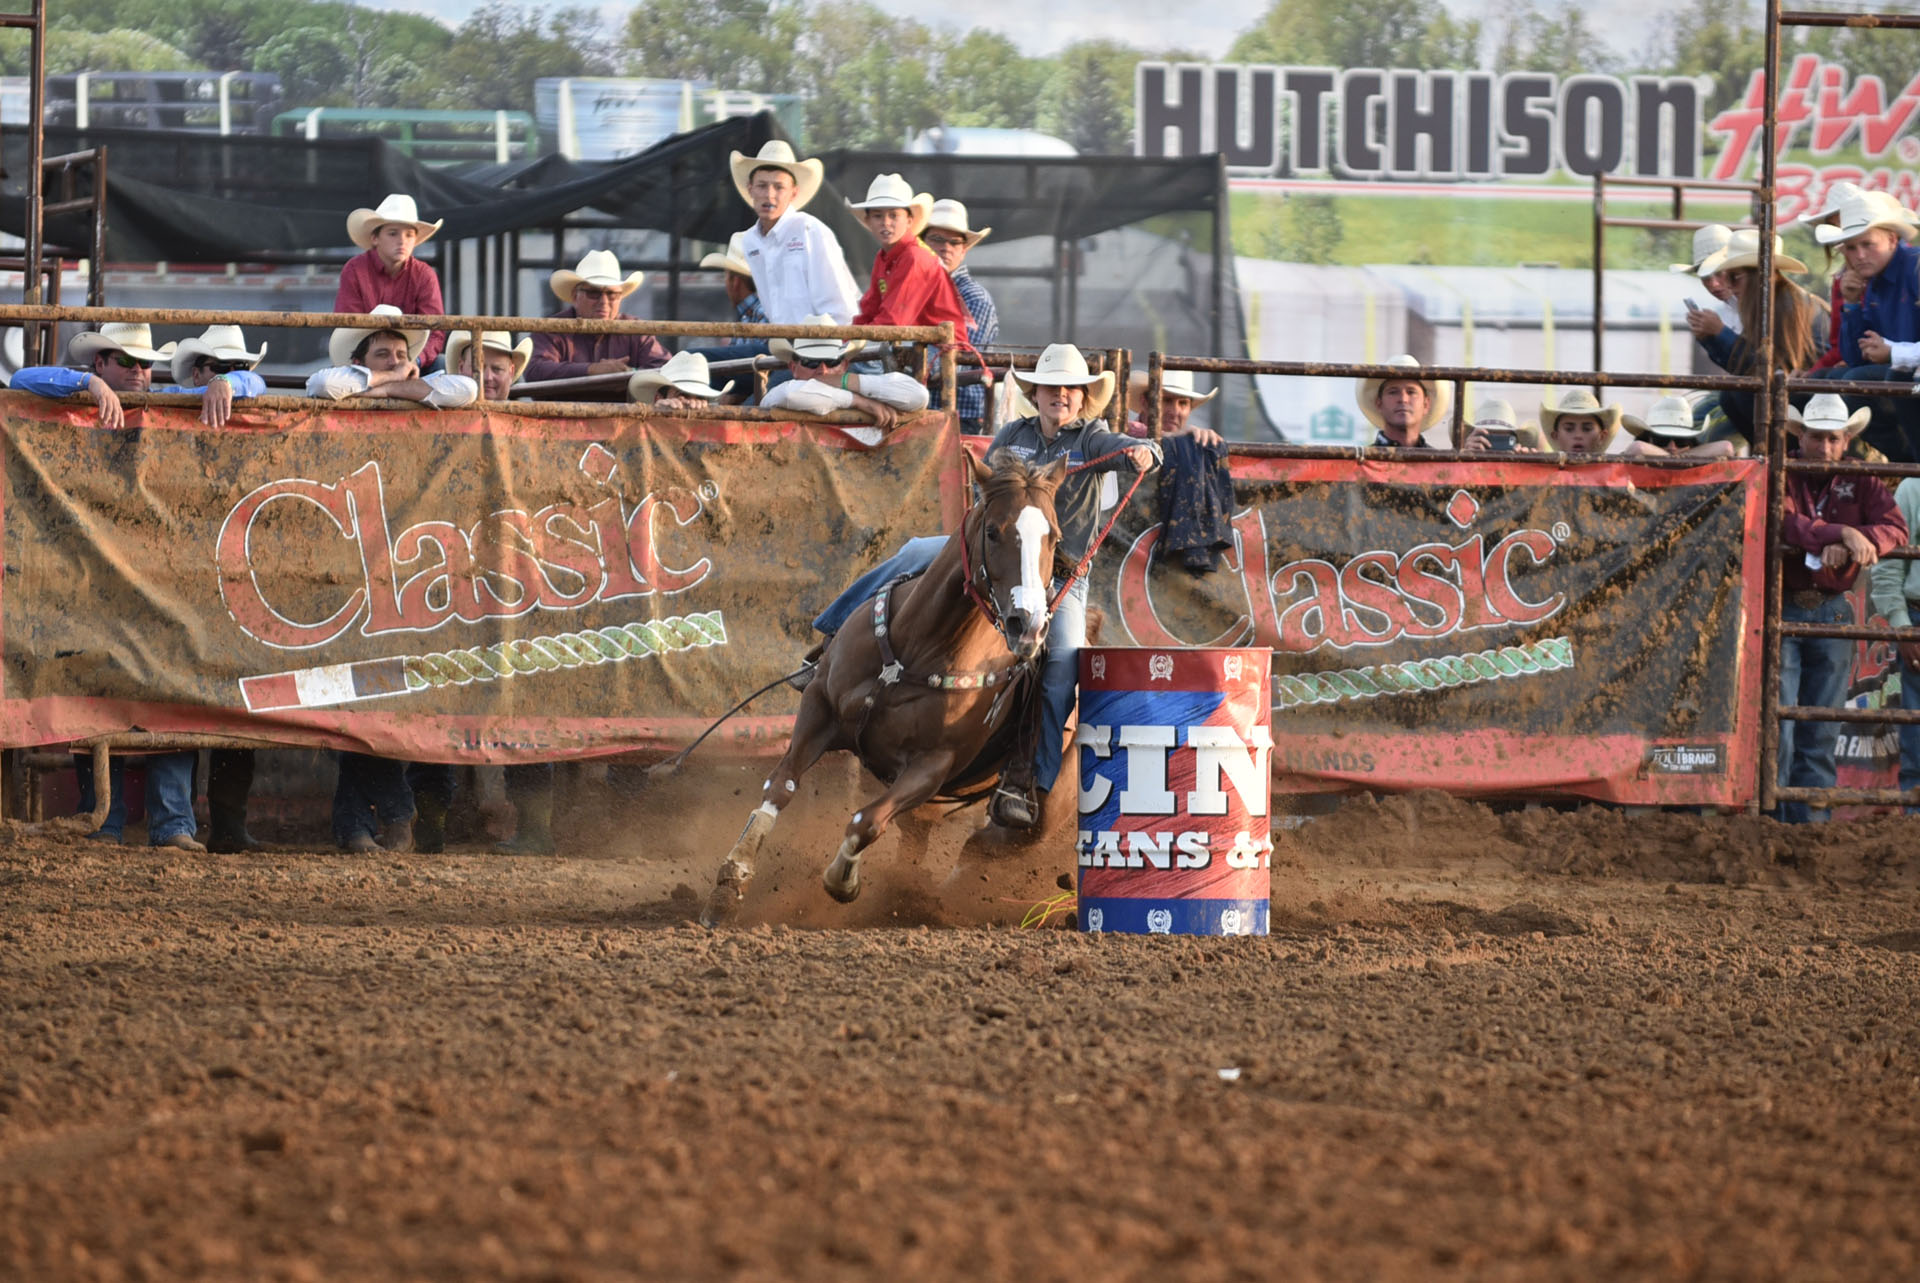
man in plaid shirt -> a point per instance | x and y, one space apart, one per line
949 237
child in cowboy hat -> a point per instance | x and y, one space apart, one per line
683 383
594 290
1068 400
823 382
502 361
950 238
1834 527
1577 423
1669 430
388 272
798 266
385 362
909 286
116 358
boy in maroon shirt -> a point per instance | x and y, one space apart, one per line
388 272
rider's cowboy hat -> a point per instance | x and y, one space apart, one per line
1439 396
1060 365
363 223
733 259
1743 250
685 373
1670 416
807 174
1499 415
341 342
951 216
598 268
891 191
1707 241
491 341
816 349
217 343
135 338
1828 413
1860 214
1579 401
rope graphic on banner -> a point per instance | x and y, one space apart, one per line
1439 673
402 674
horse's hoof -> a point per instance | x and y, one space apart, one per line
845 894
729 889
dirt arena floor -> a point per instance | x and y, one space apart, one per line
1527 1046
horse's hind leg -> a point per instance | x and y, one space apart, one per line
812 734
915 785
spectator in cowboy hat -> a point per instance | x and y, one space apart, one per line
216 366
1877 329
1496 417
593 291
909 286
681 384
1669 430
1404 410
388 272
1835 526
1576 423
742 296
118 357
823 382
1796 343
951 239
1847 286
798 266
1707 242
384 362
1178 400
502 361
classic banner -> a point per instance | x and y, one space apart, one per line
1492 627
461 586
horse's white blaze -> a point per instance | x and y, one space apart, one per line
1030 594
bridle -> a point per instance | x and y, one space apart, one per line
974 579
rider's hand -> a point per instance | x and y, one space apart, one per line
1140 457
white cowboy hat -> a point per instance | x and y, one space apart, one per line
341 342
951 216
598 268
1743 250
1060 365
1670 416
216 342
1837 194
733 259
891 191
1861 213
1172 383
1500 415
816 349
363 223
1439 396
490 341
1579 401
807 174
1828 413
1707 241
133 338
684 372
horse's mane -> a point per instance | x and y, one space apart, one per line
1011 472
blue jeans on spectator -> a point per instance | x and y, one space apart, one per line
370 793
169 796
1909 734
1813 674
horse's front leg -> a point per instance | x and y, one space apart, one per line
812 734
918 782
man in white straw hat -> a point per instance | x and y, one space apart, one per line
1895 587
824 381
908 286
950 238
740 291
594 290
1708 242
683 383
116 358
388 272
798 266
385 362
216 366
1835 526
502 361
1068 400
1402 410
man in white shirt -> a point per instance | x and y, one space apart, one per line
798 267
385 363
823 382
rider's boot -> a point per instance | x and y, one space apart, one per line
1012 805
809 664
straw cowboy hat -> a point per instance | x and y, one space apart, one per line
685 372
891 191
951 216
341 343
1172 383
807 174
1579 401
363 223
1439 396
1861 213
1060 365
133 338
598 268
733 259
1828 413
1670 416
1837 194
1707 241
491 341
218 343
1743 250
1498 415
816 349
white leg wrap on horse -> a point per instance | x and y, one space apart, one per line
768 809
842 876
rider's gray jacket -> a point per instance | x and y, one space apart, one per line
1076 506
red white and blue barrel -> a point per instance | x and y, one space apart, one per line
1175 833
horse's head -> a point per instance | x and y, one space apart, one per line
1011 536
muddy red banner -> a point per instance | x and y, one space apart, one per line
460 586
1504 627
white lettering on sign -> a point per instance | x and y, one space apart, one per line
1168 849
1218 751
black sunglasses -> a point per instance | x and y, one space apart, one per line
822 363
126 362
219 367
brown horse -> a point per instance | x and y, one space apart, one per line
925 695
